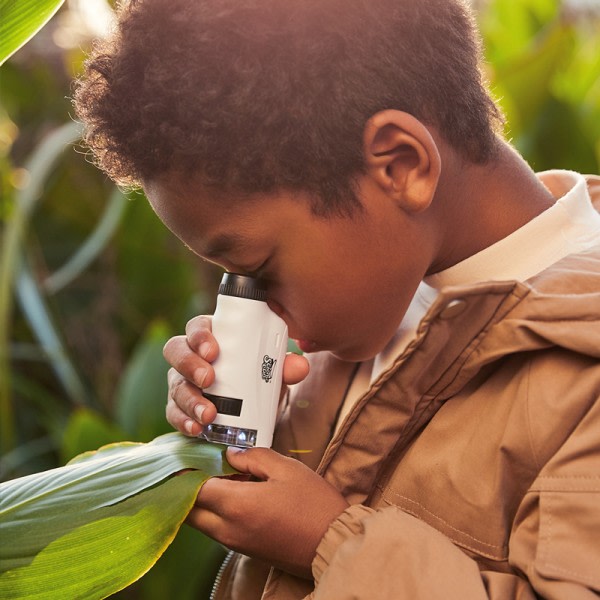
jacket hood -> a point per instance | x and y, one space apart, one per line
558 308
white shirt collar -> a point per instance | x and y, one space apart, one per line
568 226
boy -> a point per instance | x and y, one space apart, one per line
446 298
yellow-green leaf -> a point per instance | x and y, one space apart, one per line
91 528
20 20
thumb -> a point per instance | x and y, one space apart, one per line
295 368
259 462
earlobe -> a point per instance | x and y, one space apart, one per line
402 158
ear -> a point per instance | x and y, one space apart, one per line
402 158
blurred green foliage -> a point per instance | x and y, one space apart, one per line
544 58
96 284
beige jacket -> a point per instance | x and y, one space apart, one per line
472 464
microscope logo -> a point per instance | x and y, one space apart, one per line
268 366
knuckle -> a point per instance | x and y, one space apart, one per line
184 363
187 397
172 348
175 388
198 330
199 323
172 376
230 538
173 414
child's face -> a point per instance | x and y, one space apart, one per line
341 284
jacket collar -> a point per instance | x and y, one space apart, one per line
434 367
466 329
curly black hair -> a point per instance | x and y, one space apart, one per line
257 96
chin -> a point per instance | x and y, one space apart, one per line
359 351
354 354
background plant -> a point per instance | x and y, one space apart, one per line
99 284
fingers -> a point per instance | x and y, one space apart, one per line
198 333
295 369
208 523
187 409
280 519
262 463
191 355
193 366
221 509
223 504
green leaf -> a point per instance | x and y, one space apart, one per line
143 388
91 528
176 574
39 166
20 20
92 247
38 314
106 555
86 430
158 278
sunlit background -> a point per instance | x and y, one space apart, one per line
94 285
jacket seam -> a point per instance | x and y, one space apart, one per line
569 477
581 320
460 543
573 490
529 421
415 420
426 510
515 292
540 489
479 338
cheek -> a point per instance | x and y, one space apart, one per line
336 301
326 310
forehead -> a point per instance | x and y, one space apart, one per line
213 222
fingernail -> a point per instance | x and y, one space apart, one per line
189 426
205 349
199 376
198 410
235 450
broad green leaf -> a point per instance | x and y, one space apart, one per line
176 574
90 528
20 20
107 554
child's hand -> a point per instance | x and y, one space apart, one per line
280 519
191 356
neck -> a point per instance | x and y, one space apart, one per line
481 204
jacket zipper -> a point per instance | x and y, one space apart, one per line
219 577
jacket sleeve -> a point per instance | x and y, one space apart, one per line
554 546
359 559
387 553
